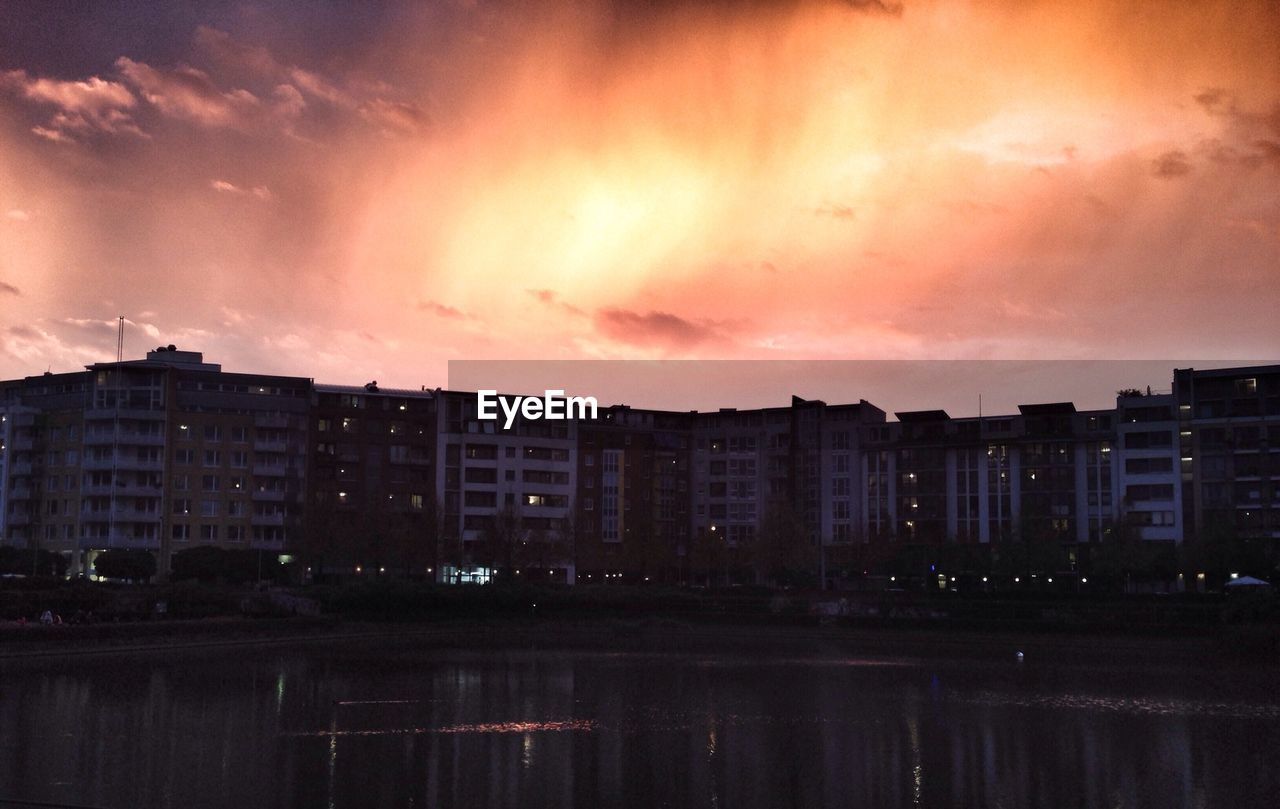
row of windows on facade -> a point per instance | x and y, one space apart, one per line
474 499
178 531
396 453
351 426
489 475
489 452
412 500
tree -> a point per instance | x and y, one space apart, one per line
205 563
19 561
122 563
782 553
501 538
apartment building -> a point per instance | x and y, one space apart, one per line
632 508
160 454
506 495
1148 462
1229 450
170 452
41 425
371 501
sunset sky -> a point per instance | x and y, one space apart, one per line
368 190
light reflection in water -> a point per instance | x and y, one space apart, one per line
528 729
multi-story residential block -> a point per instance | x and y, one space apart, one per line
1147 446
170 452
1229 450
160 454
372 502
506 495
632 517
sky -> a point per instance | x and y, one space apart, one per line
357 191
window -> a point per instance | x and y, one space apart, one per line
181 506
184 456
208 508
181 483
480 474
546 500
239 459
209 533
212 432
235 533
415 502
235 508
181 531
212 457
480 499
235 482
209 483
1246 387
239 434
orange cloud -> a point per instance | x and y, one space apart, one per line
809 179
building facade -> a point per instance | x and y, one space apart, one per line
170 452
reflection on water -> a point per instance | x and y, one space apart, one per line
383 726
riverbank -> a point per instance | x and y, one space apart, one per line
1236 646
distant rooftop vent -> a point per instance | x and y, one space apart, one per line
372 387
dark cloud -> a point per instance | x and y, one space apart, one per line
441 310
9 289
653 329
1170 165
24 331
876 7
90 328
1215 100
548 297
1268 152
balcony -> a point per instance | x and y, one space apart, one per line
125 462
268 519
121 515
270 420
270 470
111 414
260 445
20 493
119 540
122 438
269 495
20 468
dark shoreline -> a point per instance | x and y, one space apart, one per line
1227 647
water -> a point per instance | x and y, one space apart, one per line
386 725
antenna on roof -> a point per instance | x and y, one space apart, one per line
120 341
